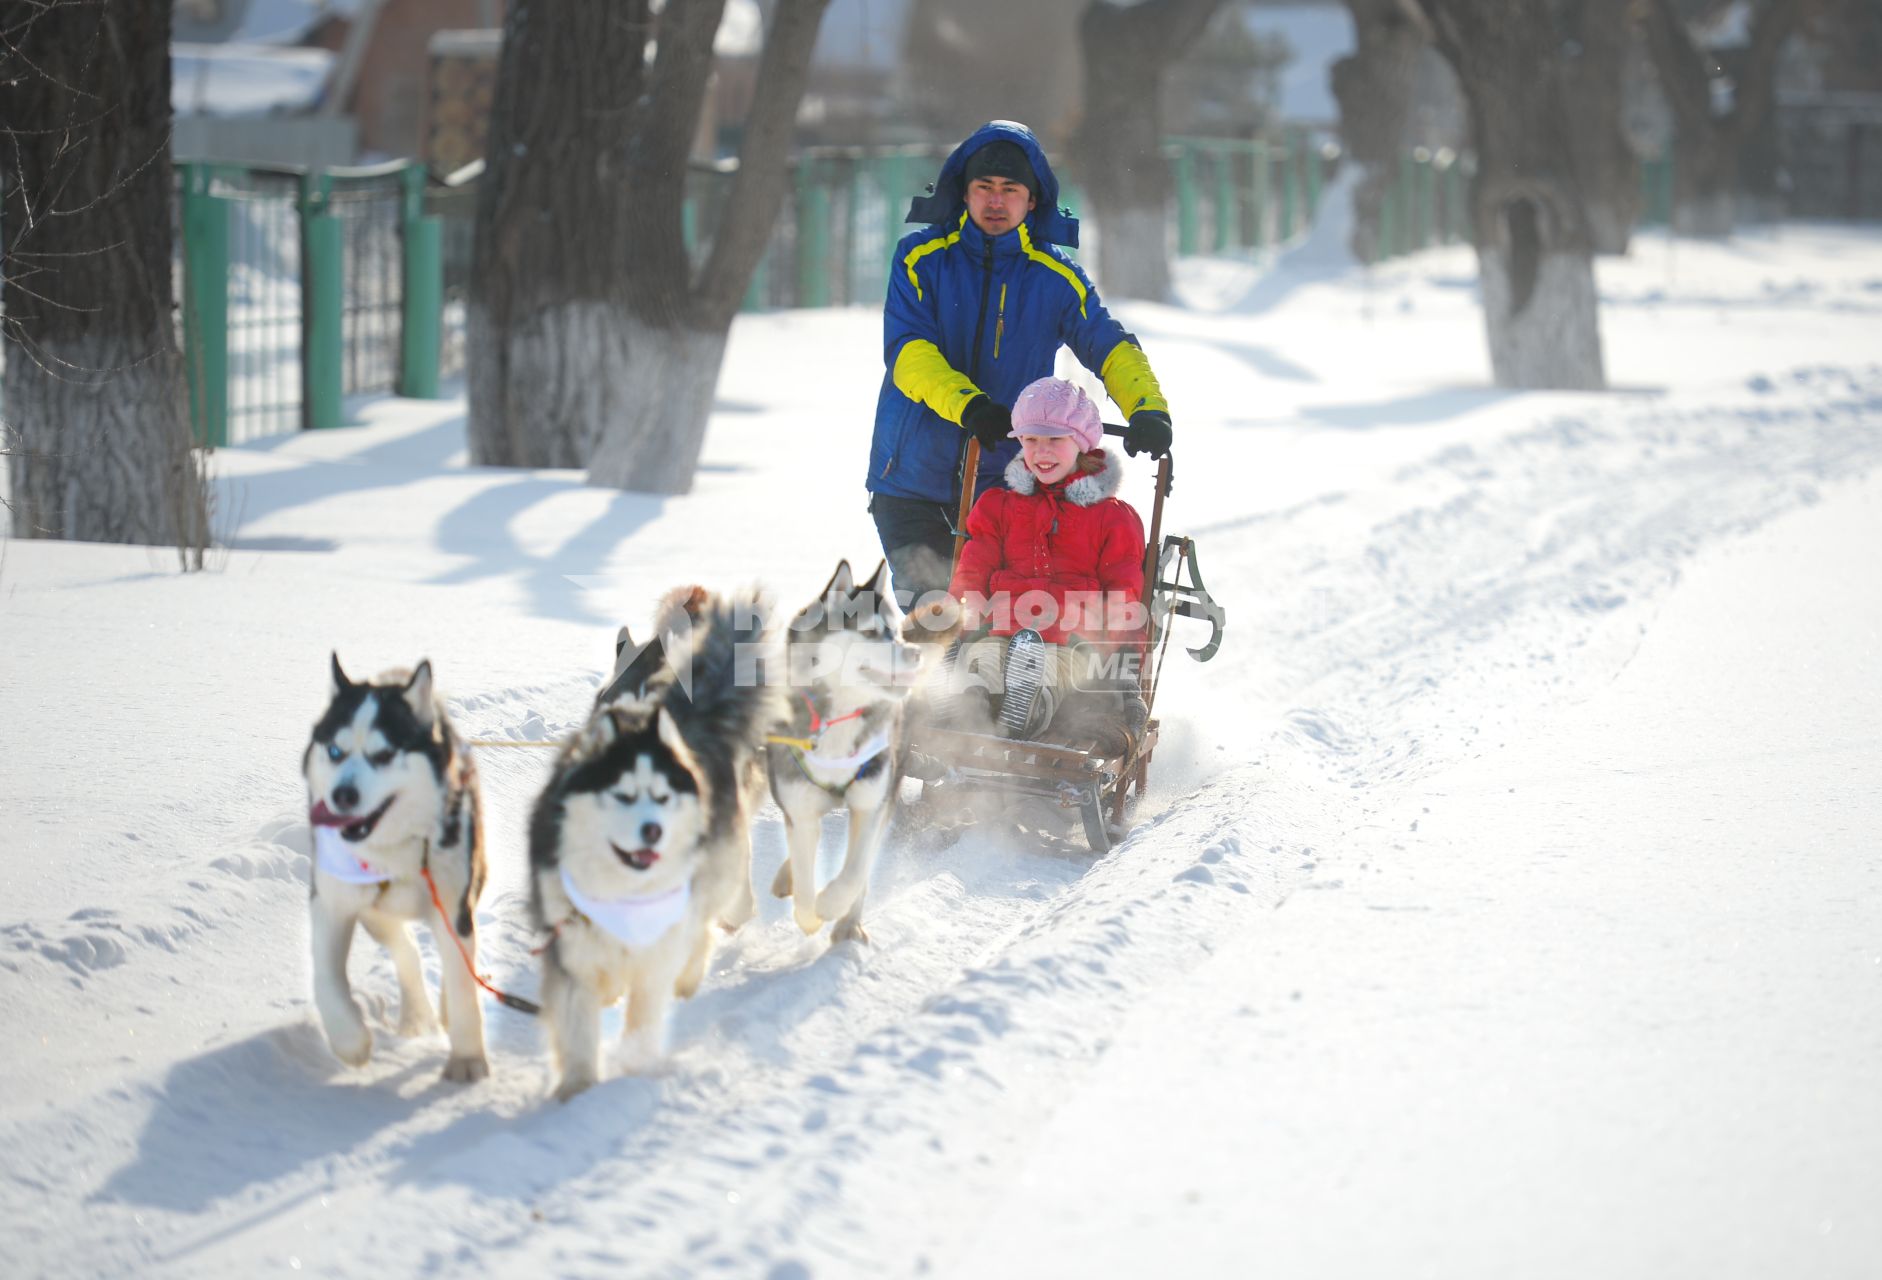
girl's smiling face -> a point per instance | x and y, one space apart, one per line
1049 458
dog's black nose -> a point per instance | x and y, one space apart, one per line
650 834
346 797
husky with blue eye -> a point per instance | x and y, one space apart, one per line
640 844
391 794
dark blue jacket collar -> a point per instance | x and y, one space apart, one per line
979 244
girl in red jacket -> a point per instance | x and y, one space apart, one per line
1053 569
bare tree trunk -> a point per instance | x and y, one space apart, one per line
1709 137
547 311
1373 86
1534 248
592 343
1605 161
1127 51
654 447
96 400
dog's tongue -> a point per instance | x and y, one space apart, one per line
321 816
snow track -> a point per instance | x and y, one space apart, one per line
822 1103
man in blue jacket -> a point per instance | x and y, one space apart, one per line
980 301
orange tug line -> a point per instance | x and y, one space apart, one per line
515 1002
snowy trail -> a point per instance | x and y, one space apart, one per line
1377 635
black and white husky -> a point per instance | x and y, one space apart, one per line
641 841
850 675
392 793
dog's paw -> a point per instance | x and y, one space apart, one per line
781 883
572 1085
351 1045
467 1070
850 930
835 901
643 1051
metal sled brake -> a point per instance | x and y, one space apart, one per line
1071 772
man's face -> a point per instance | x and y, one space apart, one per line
998 204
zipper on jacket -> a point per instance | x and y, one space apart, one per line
980 326
999 324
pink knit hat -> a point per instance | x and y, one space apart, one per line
1055 407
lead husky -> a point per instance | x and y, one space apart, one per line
641 840
390 793
850 676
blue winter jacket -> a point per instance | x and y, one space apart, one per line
968 312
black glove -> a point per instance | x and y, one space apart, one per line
1149 432
987 422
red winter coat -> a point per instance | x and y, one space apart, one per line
1047 555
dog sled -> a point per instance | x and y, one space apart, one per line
1066 773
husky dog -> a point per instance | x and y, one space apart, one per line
391 793
641 840
850 675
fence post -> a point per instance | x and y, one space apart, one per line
422 313
1188 217
1226 232
1258 193
1418 200
1310 162
1388 223
1463 219
322 302
813 237
1289 181
206 305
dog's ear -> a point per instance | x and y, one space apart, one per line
418 694
669 731
340 683
624 640
842 580
878 584
601 730
633 670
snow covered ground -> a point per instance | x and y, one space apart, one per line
1507 902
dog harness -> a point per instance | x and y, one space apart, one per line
640 920
834 774
335 856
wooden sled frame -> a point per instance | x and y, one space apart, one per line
1072 773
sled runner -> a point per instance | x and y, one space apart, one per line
1066 768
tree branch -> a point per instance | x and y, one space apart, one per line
758 190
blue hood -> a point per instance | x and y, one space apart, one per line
946 200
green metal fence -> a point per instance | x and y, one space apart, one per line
1426 204
301 288
1656 192
1233 195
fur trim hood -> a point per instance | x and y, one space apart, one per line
1083 490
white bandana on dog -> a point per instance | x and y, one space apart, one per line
639 921
338 857
840 771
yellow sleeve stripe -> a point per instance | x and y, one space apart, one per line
923 373
921 251
1127 376
1047 260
